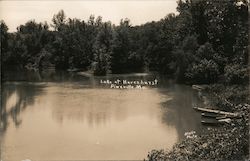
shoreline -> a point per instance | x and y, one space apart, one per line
224 142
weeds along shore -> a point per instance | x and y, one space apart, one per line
229 141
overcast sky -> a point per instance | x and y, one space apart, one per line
18 12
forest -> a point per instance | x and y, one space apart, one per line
205 42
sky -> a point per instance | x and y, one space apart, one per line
17 12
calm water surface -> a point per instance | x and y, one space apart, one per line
62 116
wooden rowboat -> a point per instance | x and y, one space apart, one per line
213 115
211 122
229 114
197 87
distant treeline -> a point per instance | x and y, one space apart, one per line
205 42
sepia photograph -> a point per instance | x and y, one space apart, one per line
124 80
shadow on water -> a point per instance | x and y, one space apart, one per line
178 111
43 76
15 98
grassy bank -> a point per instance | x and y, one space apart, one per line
226 142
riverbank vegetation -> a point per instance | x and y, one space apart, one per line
228 91
206 42
226 142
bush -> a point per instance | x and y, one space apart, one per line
206 71
236 74
229 142
234 94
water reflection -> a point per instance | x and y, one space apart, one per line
72 117
15 98
178 111
98 106
41 76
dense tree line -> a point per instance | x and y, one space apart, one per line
205 42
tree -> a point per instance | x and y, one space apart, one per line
4 37
59 20
184 55
102 49
121 47
206 71
165 46
3 44
26 44
206 39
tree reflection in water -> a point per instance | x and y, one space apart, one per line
177 110
77 112
15 98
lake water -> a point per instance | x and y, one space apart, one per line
70 116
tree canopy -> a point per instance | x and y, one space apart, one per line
205 42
